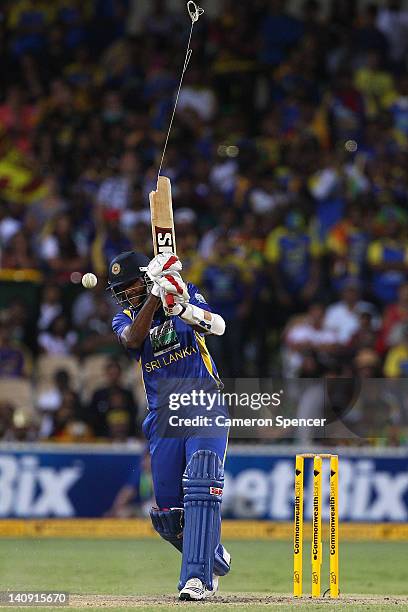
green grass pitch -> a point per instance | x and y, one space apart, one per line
150 568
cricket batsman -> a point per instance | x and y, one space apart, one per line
162 325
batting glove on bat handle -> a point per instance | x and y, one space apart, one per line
170 300
155 290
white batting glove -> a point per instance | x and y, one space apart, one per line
172 304
173 284
155 290
164 263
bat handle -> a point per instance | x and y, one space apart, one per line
170 300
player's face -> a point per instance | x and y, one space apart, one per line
136 293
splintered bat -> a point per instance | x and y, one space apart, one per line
161 210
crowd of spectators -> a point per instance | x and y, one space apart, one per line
288 161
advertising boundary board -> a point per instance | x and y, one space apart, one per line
57 481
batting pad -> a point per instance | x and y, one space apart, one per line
169 524
203 482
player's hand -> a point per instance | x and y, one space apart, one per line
164 263
172 304
173 284
155 290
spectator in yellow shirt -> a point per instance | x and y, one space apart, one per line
228 285
294 256
375 84
396 363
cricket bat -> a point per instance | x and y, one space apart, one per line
161 211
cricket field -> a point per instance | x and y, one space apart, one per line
142 574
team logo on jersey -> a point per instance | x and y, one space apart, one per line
199 298
164 338
116 268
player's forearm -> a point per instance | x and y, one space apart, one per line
134 335
202 320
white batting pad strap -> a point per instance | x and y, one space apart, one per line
193 315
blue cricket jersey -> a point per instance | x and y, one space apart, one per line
174 357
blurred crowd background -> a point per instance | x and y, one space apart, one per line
288 161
